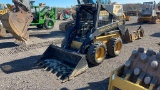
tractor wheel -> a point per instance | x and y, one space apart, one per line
96 53
49 24
114 46
39 26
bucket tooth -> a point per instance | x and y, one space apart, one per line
47 68
59 75
65 64
51 70
64 79
40 64
44 65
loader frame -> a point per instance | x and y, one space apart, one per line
108 29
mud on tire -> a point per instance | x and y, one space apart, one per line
114 46
96 53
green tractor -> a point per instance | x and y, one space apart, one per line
44 16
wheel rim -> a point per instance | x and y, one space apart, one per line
100 52
118 46
50 24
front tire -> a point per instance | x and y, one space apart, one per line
49 24
96 53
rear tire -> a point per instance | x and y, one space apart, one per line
96 53
114 46
49 24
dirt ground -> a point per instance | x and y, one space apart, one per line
18 72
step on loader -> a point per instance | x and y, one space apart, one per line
140 72
17 21
87 42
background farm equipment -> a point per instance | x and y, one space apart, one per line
3 10
66 14
44 16
17 21
149 13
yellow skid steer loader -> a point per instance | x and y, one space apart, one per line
87 42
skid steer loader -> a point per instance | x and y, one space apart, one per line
140 72
17 21
88 41
148 13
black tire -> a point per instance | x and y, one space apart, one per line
47 21
39 26
91 54
112 48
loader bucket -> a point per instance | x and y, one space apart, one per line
134 35
17 24
64 63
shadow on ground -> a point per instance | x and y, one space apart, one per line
7 45
8 37
133 24
48 34
101 85
156 34
24 64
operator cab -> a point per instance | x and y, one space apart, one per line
87 19
148 8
